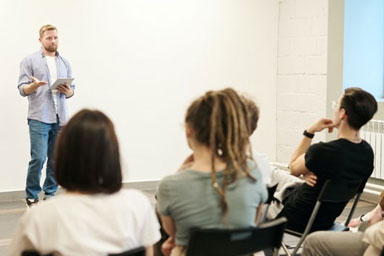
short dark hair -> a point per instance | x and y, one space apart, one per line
86 157
359 105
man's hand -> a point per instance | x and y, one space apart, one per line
310 178
321 124
37 83
65 89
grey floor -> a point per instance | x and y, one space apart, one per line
10 212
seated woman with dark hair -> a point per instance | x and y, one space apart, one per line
94 216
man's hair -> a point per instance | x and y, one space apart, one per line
87 157
253 113
46 28
219 120
359 105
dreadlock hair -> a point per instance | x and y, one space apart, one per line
219 120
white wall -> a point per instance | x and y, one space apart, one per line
302 71
142 62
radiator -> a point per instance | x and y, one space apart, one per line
373 133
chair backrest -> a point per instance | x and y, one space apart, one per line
336 191
333 191
140 251
233 242
34 253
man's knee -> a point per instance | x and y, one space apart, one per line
311 240
38 160
313 243
278 175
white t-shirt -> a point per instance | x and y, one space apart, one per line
51 62
75 224
264 166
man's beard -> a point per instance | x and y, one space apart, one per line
51 48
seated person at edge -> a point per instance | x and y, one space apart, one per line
347 158
94 216
222 173
330 243
367 243
372 217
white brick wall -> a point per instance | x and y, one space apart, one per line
302 71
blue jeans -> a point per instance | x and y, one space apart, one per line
42 138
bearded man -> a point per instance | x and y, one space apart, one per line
47 110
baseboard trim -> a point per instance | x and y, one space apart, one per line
372 193
12 195
145 186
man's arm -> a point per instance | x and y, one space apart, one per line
297 163
30 88
69 89
27 83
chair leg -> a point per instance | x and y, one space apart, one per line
285 249
302 238
275 252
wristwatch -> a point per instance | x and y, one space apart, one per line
308 135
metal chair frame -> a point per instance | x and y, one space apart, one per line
326 195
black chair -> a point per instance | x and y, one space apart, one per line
332 191
235 242
134 252
34 253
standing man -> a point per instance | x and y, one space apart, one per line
47 110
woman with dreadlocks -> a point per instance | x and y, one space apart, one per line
222 188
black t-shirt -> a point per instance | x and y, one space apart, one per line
338 159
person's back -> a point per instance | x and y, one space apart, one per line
81 224
340 159
190 199
93 216
221 186
348 158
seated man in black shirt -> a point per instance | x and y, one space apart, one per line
347 158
